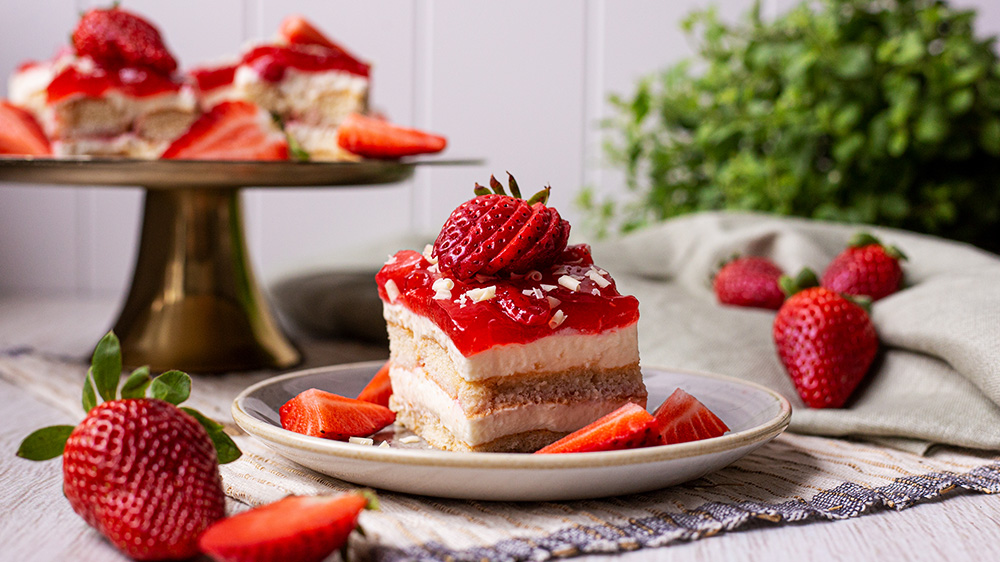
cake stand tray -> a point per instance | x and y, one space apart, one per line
194 303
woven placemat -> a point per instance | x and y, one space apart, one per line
794 478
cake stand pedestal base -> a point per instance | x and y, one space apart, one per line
194 304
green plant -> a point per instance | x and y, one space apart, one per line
873 111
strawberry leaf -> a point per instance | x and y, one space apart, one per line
45 443
106 366
136 384
514 189
171 386
89 396
862 239
225 447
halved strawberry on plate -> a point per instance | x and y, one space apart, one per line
323 414
232 130
379 389
370 137
628 427
20 133
682 418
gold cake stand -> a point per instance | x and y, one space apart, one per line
194 303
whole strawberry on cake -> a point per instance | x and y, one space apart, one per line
502 337
114 92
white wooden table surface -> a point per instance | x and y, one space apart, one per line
36 522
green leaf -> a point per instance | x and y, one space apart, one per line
136 384
171 386
989 137
89 395
107 366
225 447
961 101
853 61
45 443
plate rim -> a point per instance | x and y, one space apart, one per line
270 433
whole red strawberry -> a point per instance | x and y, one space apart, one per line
142 471
866 267
497 233
144 474
116 38
749 281
826 343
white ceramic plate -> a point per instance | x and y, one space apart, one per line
754 414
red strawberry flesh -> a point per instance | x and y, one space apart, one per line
682 418
323 414
379 389
627 427
145 474
300 528
20 133
233 130
374 138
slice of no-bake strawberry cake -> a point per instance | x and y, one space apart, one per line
503 338
113 93
309 82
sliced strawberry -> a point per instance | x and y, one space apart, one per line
323 414
550 244
379 389
20 133
531 231
627 427
683 418
298 31
489 237
375 138
302 528
232 130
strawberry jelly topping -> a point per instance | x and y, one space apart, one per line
212 78
271 61
521 311
130 81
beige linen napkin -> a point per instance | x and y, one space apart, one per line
938 377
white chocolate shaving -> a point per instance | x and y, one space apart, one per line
557 318
384 445
429 254
598 278
535 275
482 294
361 440
409 439
442 288
391 290
546 287
571 283
553 302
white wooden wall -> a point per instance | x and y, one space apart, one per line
520 83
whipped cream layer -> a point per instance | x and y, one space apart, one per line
413 390
558 352
316 97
